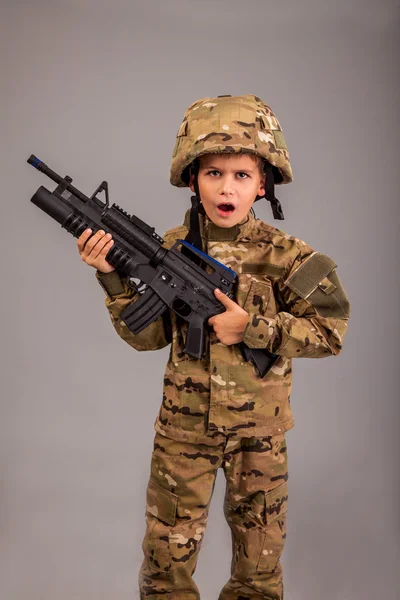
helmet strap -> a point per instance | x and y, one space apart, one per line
194 236
270 192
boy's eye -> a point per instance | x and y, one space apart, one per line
215 173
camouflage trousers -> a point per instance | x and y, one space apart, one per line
178 497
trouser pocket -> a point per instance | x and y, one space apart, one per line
275 532
161 507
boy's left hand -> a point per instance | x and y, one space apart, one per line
229 325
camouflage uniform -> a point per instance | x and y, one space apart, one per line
216 412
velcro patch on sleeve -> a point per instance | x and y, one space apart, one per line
310 274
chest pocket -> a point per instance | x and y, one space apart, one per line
255 295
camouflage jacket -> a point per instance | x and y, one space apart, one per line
297 308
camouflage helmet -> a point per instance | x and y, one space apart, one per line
230 124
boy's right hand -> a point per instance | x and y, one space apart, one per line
93 251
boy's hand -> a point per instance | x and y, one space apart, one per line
94 250
229 325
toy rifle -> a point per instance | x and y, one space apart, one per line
176 279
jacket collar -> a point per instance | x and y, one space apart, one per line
211 232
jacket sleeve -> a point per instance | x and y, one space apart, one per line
118 296
316 310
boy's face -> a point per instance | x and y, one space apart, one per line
228 185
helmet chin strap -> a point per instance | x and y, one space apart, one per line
270 193
194 236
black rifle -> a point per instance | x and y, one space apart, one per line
170 278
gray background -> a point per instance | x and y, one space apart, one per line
97 90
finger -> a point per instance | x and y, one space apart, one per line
106 248
91 243
99 247
223 298
83 238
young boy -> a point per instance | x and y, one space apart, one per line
216 412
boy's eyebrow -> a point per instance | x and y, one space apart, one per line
209 167
247 170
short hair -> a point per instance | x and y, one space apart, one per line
260 164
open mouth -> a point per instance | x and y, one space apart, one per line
225 208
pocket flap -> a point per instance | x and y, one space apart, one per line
275 531
276 503
258 299
327 286
161 503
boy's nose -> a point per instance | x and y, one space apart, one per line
228 187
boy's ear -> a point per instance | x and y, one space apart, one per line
261 191
191 182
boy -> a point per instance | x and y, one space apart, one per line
216 412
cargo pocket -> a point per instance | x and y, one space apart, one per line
161 504
260 299
275 533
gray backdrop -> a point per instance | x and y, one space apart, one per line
97 90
